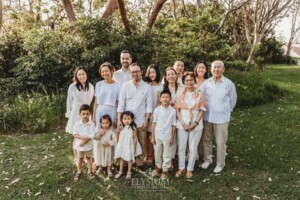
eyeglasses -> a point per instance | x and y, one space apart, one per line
135 72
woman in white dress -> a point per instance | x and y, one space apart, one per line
201 73
152 77
106 99
171 84
189 106
80 92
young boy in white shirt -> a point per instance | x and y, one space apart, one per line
83 132
163 134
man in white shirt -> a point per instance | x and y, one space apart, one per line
221 98
136 96
123 75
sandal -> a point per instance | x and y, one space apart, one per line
99 171
128 176
91 175
118 175
77 176
109 174
189 174
179 173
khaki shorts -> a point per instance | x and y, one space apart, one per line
88 154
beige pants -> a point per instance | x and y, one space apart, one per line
220 133
163 153
142 137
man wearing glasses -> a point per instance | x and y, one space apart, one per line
136 96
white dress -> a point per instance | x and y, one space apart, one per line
105 155
74 100
125 146
155 89
107 96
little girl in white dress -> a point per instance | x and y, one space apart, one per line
104 150
128 146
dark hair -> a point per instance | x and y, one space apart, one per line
85 107
156 68
135 64
165 92
166 82
78 84
106 117
128 113
188 74
110 67
206 67
126 51
179 61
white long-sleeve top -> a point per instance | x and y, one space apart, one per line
74 100
121 77
137 99
220 98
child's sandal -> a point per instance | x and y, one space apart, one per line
91 175
99 171
128 176
109 174
118 175
77 176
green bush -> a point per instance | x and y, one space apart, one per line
31 113
253 89
238 65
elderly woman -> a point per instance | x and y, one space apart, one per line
106 100
189 106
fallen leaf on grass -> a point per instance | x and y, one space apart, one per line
23 148
205 180
45 157
68 189
58 191
6 179
108 187
14 181
255 197
28 166
1 152
298 173
37 194
238 198
270 179
236 189
42 183
100 198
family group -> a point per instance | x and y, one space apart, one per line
149 121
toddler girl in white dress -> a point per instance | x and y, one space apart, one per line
128 146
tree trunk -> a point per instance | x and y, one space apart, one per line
38 10
158 5
256 41
294 30
1 14
174 10
111 6
124 18
69 10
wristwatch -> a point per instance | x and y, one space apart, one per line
196 122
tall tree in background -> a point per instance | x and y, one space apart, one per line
69 10
110 7
295 29
157 7
262 15
124 18
1 13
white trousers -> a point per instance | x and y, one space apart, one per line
163 154
193 139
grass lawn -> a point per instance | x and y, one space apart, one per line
263 160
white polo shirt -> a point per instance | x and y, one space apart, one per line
137 99
165 118
121 76
220 98
85 130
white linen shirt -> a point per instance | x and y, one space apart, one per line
137 99
165 118
85 130
220 98
121 76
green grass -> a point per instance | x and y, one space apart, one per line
263 159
